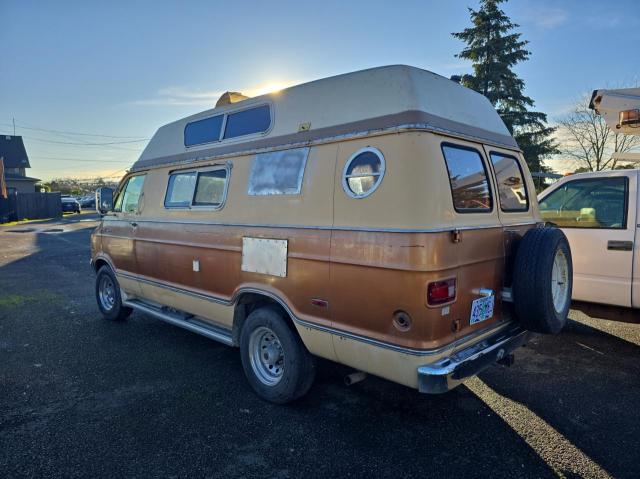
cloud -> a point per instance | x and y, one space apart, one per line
180 96
546 17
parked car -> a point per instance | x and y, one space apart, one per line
382 219
598 213
88 202
70 205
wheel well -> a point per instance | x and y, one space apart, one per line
99 264
249 302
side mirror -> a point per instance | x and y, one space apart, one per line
104 200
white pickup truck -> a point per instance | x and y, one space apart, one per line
598 212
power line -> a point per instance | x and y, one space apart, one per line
86 144
78 159
66 132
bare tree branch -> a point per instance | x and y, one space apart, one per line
587 139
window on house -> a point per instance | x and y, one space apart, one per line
129 197
278 172
512 190
468 179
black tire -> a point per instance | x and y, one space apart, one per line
298 364
532 280
114 311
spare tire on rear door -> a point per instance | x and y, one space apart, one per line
542 280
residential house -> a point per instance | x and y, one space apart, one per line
16 162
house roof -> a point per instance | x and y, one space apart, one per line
13 152
15 177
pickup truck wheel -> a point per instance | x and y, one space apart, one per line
108 296
277 364
543 280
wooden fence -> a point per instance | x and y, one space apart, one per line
31 206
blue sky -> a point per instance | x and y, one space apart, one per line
125 68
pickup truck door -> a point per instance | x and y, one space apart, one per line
598 215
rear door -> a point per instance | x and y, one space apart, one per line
598 215
479 250
515 202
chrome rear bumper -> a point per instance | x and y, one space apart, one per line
449 372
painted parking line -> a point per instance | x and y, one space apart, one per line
563 457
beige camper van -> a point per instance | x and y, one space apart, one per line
384 219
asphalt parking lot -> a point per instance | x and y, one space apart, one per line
83 397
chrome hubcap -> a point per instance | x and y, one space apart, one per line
267 356
560 281
107 293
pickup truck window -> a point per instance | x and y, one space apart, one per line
468 179
512 189
588 203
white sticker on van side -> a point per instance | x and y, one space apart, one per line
264 256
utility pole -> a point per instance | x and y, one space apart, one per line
14 126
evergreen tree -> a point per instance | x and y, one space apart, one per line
494 49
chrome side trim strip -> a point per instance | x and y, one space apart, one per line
332 228
211 332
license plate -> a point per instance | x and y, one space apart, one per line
481 309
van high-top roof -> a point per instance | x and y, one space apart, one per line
355 104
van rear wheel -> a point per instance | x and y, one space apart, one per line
543 280
275 361
108 296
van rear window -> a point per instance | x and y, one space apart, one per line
203 131
246 122
468 179
512 190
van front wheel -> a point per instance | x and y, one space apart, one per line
108 296
277 364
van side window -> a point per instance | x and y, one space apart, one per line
512 190
246 122
210 188
206 188
180 189
278 172
468 179
589 203
129 197
363 172
203 131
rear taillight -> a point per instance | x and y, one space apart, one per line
440 292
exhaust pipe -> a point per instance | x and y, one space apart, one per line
353 378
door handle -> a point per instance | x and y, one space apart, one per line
619 245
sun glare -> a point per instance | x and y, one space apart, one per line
272 87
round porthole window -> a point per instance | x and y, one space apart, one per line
363 172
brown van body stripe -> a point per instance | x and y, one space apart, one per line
365 276
411 119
